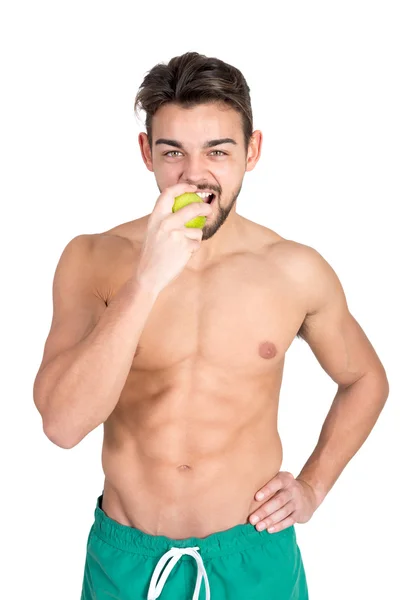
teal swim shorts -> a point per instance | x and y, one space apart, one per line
241 563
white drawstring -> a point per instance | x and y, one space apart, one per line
175 554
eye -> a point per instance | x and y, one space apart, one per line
177 151
167 153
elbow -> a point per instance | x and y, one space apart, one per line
59 438
386 388
382 381
54 435
378 383
58 430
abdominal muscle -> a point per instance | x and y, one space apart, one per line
191 475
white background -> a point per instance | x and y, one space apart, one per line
324 81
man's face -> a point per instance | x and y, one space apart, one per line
179 154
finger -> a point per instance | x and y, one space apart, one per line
166 199
193 233
276 502
288 522
193 246
188 212
276 517
280 480
193 236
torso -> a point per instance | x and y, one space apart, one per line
194 434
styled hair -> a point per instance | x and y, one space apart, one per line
192 79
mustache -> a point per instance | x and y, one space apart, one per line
201 188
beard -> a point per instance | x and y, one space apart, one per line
219 217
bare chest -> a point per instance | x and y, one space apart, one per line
240 315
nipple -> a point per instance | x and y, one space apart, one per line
267 350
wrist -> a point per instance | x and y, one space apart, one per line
143 284
317 489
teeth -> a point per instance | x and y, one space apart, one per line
203 194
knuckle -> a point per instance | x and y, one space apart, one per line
290 507
282 500
281 497
288 510
164 225
165 193
195 233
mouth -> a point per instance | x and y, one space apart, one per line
207 197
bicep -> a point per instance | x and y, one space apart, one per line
335 337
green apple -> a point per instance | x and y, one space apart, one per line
188 198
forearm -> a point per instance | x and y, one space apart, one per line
354 411
89 378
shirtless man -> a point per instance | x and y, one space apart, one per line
174 339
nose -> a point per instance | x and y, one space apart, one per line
195 171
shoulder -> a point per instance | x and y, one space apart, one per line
300 263
108 257
298 259
115 245
309 273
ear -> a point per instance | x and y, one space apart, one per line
146 150
254 151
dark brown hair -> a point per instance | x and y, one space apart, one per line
192 79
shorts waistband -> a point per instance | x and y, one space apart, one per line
223 542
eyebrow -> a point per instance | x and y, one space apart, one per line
209 144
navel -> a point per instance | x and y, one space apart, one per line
267 350
184 468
